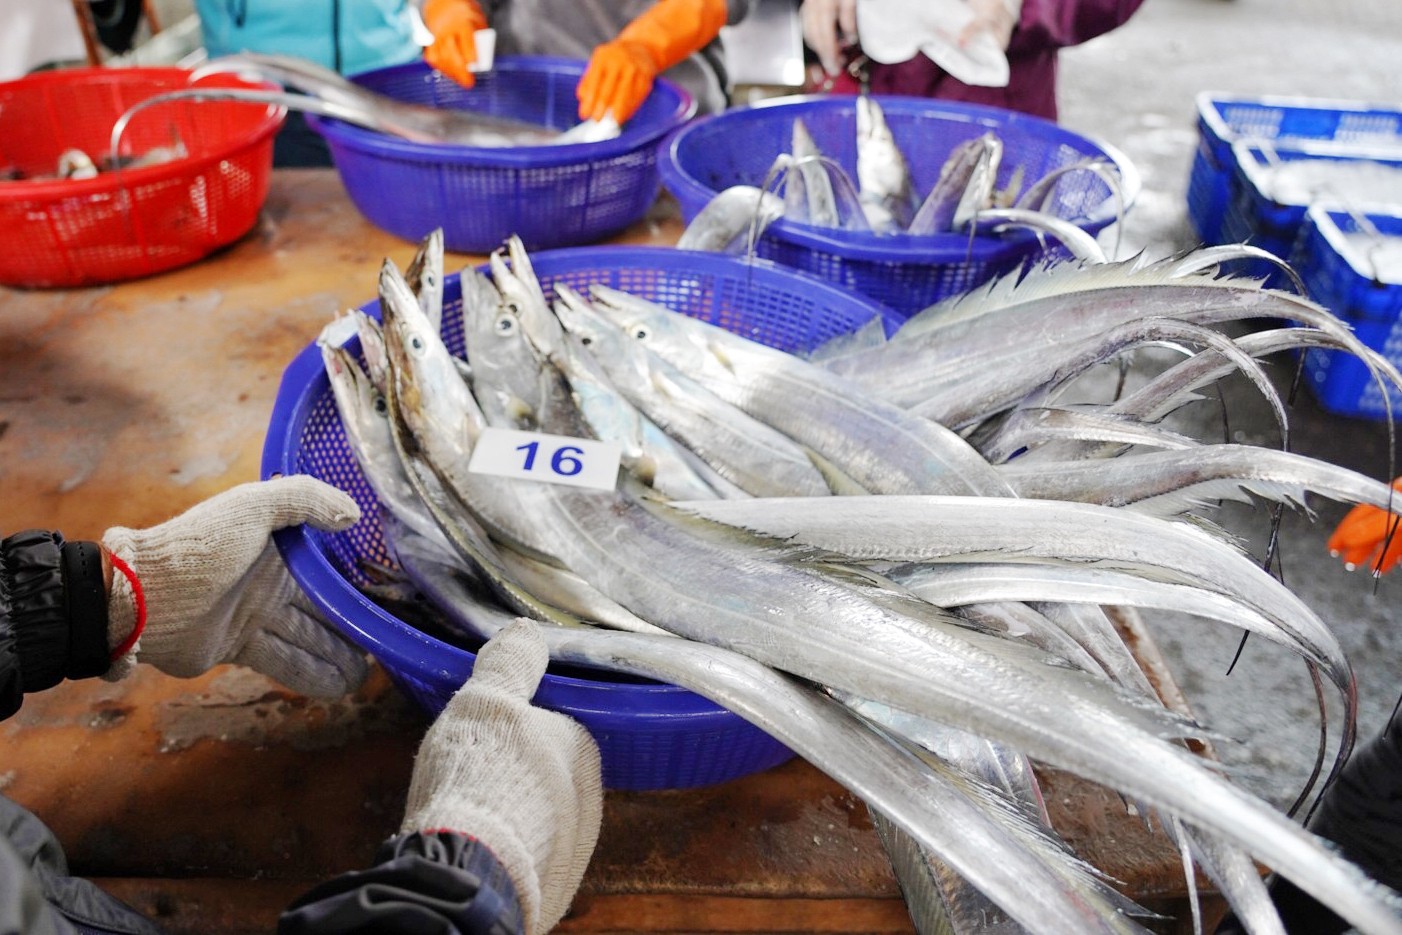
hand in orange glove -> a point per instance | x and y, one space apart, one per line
1362 537
454 49
621 72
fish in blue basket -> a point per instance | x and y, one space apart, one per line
936 805
1058 307
883 177
729 220
582 550
329 94
808 191
749 453
965 186
879 446
867 596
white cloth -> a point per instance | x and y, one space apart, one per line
524 781
896 30
36 32
217 590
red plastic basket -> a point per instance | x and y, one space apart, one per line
122 225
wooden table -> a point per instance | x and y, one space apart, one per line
210 802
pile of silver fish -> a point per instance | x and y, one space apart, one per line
816 190
894 556
328 94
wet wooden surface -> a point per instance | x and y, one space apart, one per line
211 802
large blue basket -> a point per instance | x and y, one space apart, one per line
1224 119
651 736
904 272
549 196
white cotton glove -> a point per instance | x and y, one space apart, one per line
217 590
828 25
522 780
967 38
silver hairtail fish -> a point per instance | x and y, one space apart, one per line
883 178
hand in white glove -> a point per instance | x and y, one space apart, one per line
998 18
216 590
522 780
828 25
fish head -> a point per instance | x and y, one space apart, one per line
622 359
803 142
355 393
506 368
521 293
427 386
425 274
871 121
372 348
656 328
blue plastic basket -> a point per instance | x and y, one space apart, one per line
1224 119
904 272
1340 276
651 736
549 196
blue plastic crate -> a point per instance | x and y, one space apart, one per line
1362 288
903 272
650 735
1224 119
549 196
1270 216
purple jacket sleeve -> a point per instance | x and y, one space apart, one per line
1056 24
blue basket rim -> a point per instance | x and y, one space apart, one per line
903 248
401 647
1208 103
631 138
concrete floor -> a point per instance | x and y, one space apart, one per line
1135 88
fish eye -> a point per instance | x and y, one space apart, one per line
418 345
506 325
381 407
642 332
586 340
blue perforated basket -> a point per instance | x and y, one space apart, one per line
549 196
1224 119
651 736
904 272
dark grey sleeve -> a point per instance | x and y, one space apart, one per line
38 897
441 882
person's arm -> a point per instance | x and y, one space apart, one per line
204 588
1057 24
53 613
828 26
621 72
454 24
209 587
502 816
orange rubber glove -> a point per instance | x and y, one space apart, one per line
452 23
621 72
1360 535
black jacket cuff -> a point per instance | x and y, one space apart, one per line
53 613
